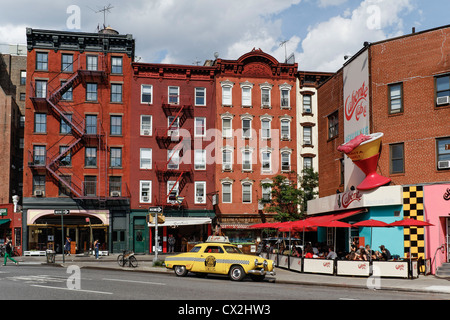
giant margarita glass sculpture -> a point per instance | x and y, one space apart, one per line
364 151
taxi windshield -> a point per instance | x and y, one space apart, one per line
231 249
195 249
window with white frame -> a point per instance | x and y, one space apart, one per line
227 130
227 188
173 158
285 125
200 192
145 191
146 125
246 127
200 127
174 95
246 192
285 161
307 108
266 193
147 93
174 126
199 159
246 160
200 96
307 135
227 162
145 158
266 161
246 90
266 127
285 92
172 191
227 87
266 89
307 163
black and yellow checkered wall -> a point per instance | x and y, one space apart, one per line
414 237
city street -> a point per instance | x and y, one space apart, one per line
40 282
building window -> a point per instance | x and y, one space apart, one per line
173 159
116 92
286 161
227 130
65 127
285 101
115 186
246 128
91 124
67 159
40 123
67 62
285 125
90 159
443 153
266 193
39 155
63 189
145 191
174 95
42 61
116 157
173 124
227 162
307 135
200 159
397 157
146 125
443 90
90 186
172 191
307 163
146 94
227 87
333 125
265 97
246 95
246 193
266 128
38 184
91 92
395 98
22 96
116 65
200 192
246 160
226 192
200 127
68 95
145 158
92 63
23 77
41 89
116 125
307 108
266 161
200 96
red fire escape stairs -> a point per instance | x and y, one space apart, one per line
60 109
167 137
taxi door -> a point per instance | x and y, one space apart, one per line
210 261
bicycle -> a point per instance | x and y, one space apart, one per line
127 259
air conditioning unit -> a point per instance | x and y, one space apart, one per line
144 199
200 199
444 164
115 193
307 110
307 142
443 100
284 136
146 132
227 166
38 193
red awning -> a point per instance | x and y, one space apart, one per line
333 216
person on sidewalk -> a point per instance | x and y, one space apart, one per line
8 252
96 248
67 246
171 243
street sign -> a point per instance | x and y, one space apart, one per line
61 211
154 209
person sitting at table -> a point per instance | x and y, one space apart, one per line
362 253
331 254
370 253
309 253
385 253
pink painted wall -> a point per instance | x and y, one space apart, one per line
437 210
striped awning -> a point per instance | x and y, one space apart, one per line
235 226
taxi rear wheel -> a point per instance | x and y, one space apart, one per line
237 273
180 271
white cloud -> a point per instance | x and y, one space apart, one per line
328 3
327 42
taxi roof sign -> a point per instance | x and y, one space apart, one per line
218 239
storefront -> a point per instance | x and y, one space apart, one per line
11 226
83 227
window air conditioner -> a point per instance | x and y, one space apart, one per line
443 100
144 199
199 199
115 193
227 166
284 136
444 164
146 132
38 193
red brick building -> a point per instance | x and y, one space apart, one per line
257 131
171 166
76 143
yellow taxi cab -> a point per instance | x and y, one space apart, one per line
217 255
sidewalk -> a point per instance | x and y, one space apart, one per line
426 284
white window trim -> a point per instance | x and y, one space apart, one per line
231 191
270 160
141 182
140 158
204 127
227 84
247 103
151 93
288 121
178 95
197 183
288 87
151 126
204 96
269 87
230 129
250 152
230 150
170 184
202 153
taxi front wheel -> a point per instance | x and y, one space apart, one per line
237 273
180 271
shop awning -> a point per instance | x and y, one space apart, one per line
3 221
180 221
235 226
334 216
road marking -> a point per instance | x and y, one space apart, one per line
68 289
134 281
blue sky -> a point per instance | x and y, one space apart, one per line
319 32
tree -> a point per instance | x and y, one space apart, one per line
289 197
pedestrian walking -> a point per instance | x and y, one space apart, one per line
67 246
8 252
171 243
96 248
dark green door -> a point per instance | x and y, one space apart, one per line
140 235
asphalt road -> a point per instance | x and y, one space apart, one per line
40 282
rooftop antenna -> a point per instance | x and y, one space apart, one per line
104 10
283 43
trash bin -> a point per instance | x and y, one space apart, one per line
50 256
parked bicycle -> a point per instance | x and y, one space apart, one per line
127 259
